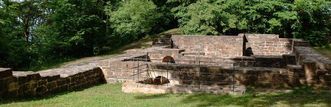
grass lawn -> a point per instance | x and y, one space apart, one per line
110 95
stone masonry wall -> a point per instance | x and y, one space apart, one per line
270 44
215 75
119 71
211 46
233 46
158 54
29 84
317 67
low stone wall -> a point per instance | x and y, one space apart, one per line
186 74
268 44
158 54
253 61
271 44
316 66
309 54
120 71
265 61
134 87
29 84
234 46
213 46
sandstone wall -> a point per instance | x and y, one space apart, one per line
211 46
158 54
28 84
317 67
215 75
234 46
119 71
263 44
270 44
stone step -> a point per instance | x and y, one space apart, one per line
297 67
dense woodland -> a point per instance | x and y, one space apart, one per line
38 32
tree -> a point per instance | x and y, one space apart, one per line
300 18
134 18
314 20
78 26
213 17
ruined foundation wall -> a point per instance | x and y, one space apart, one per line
260 77
233 46
317 67
158 54
29 84
211 46
120 71
268 44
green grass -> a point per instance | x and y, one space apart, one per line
110 95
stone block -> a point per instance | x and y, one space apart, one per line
5 72
51 85
41 90
23 80
7 80
310 72
34 76
13 86
11 94
290 59
62 81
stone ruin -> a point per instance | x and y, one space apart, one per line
224 64
187 64
27 84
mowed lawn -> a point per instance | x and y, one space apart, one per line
110 95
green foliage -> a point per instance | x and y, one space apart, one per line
199 18
134 18
79 27
314 20
309 20
236 16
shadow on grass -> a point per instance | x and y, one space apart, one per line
44 97
295 98
151 96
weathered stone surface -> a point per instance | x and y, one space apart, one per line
28 84
215 46
289 59
133 87
294 74
310 71
5 72
269 61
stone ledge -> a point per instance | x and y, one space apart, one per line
294 66
66 72
133 87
